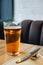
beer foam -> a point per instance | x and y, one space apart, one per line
12 27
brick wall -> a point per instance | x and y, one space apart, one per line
28 9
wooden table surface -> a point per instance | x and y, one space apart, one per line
4 57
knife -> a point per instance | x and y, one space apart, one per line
29 54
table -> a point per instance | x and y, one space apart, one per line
4 57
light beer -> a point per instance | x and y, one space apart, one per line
12 36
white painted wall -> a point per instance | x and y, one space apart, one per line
28 9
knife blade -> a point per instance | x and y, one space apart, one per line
31 52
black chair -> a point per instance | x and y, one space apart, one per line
35 32
25 30
1 30
41 38
31 32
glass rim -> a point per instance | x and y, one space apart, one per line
12 27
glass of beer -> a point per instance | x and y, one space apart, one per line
12 37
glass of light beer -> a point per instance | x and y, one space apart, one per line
12 37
